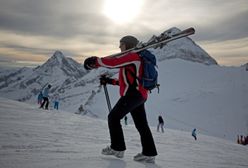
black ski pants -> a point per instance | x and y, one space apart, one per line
132 102
45 102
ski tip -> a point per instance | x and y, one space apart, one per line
190 30
186 32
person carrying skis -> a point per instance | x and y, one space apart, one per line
46 97
133 98
160 123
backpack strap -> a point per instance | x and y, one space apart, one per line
157 85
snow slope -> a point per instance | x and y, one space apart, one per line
34 138
212 99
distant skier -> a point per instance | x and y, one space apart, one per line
246 140
238 140
160 123
125 118
243 140
133 98
40 98
56 101
194 133
46 97
80 109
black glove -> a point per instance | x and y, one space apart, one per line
105 80
90 63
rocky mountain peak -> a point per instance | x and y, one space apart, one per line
184 48
57 57
58 63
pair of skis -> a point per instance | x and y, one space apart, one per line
158 41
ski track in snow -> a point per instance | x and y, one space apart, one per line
35 138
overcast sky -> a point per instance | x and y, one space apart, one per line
32 30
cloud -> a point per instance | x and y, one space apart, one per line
78 27
44 45
50 18
230 52
68 19
234 27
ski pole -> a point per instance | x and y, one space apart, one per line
107 97
103 76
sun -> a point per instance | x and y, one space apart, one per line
122 11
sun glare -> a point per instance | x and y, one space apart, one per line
122 11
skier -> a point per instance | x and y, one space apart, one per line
238 140
56 102
160 123
194 133
40 98
80 109
133 98
125 118
246 140
46 97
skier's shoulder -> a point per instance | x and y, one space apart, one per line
131 56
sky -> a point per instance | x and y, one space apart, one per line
32 30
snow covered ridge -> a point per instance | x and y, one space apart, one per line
68 78
36 138
58 62
184 48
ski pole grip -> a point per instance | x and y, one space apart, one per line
103 79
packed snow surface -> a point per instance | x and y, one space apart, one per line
35 138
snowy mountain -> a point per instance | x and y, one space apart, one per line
59 64
38 138
184 48
62 72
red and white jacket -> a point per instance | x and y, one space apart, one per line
129 65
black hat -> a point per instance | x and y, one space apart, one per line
129 41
